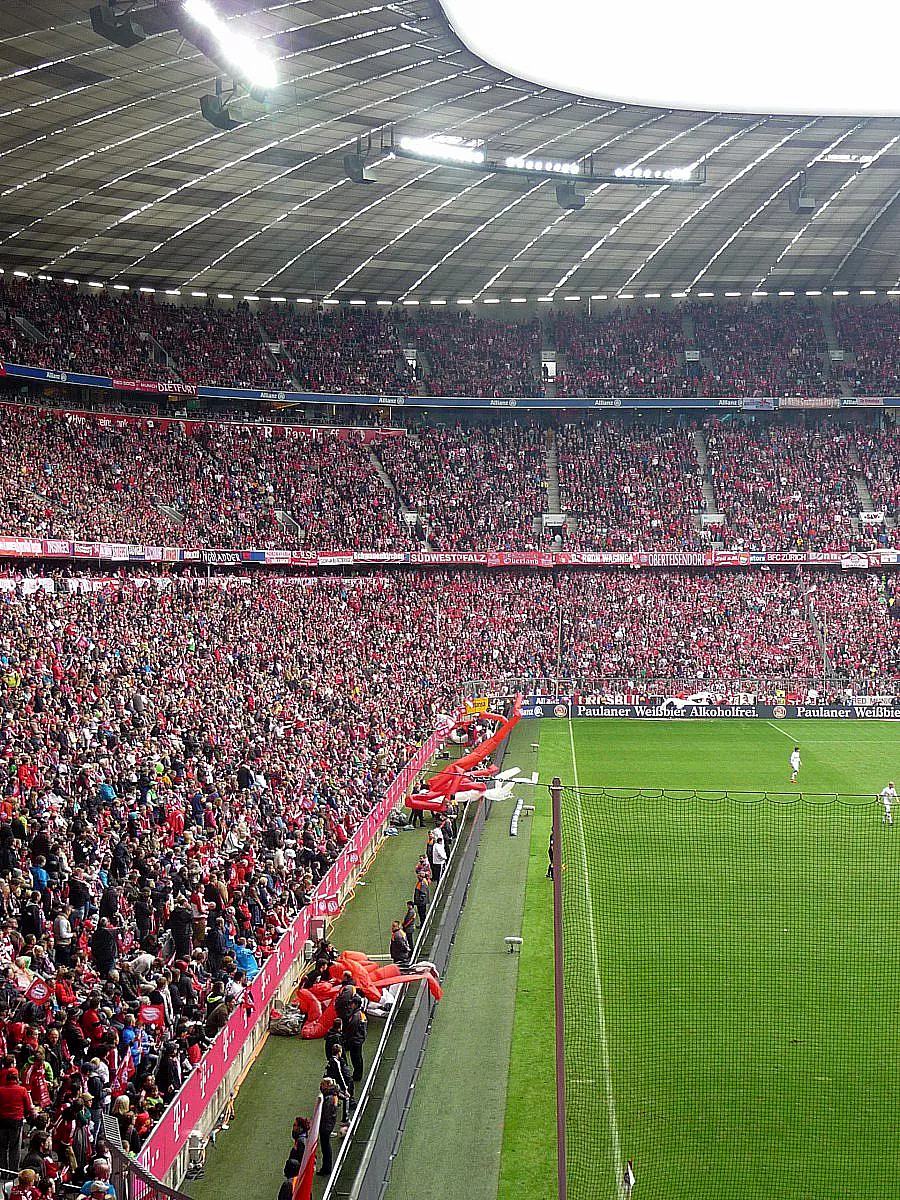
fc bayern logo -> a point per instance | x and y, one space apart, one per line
779 711
559 710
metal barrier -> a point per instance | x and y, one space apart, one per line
396 1082
773 687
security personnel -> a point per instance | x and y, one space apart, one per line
343 1002
408 924
421 897
355 1030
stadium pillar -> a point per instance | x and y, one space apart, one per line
558 994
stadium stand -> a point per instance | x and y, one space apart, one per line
474 356
477 487
762 350
633 351
783 484
630 486
871 336
341 351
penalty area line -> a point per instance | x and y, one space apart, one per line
609 1095
789 736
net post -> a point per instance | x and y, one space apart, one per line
558 994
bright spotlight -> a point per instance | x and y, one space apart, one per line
236 50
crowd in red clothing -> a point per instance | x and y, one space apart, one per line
340 350
630 487
870 338
184 758
762 350
475 356
633 351
471 487
212 484
784 484
624 485
879 460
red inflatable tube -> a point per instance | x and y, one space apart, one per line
319 1027
309 1003
323 990
427 802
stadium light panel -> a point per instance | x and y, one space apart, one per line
24 275
148 291
300 299
236 50
706 295
759 294
224 295
384 303
813 292
69 279
786 293
518 299
91 282
448 150
173 292
330 300
693 60
651 295
362 303
840 293
868 292
117 287
626 295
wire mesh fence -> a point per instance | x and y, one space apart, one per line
729 967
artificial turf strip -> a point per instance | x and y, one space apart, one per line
248 1158
528 1165
747 958
452 1139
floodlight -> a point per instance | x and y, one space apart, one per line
227 46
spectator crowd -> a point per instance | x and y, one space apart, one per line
623 484
767 348
185 758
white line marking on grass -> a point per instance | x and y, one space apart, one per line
601 1013
789 736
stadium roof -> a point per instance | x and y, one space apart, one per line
109 173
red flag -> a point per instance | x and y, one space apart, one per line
152 1014
39 991
123 1073
303 1184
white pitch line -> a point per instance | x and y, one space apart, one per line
789 736
601 1013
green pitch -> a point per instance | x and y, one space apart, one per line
731 968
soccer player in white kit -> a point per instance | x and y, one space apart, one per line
888 797
795 764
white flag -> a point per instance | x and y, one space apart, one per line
628 1177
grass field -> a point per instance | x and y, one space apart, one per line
730 967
